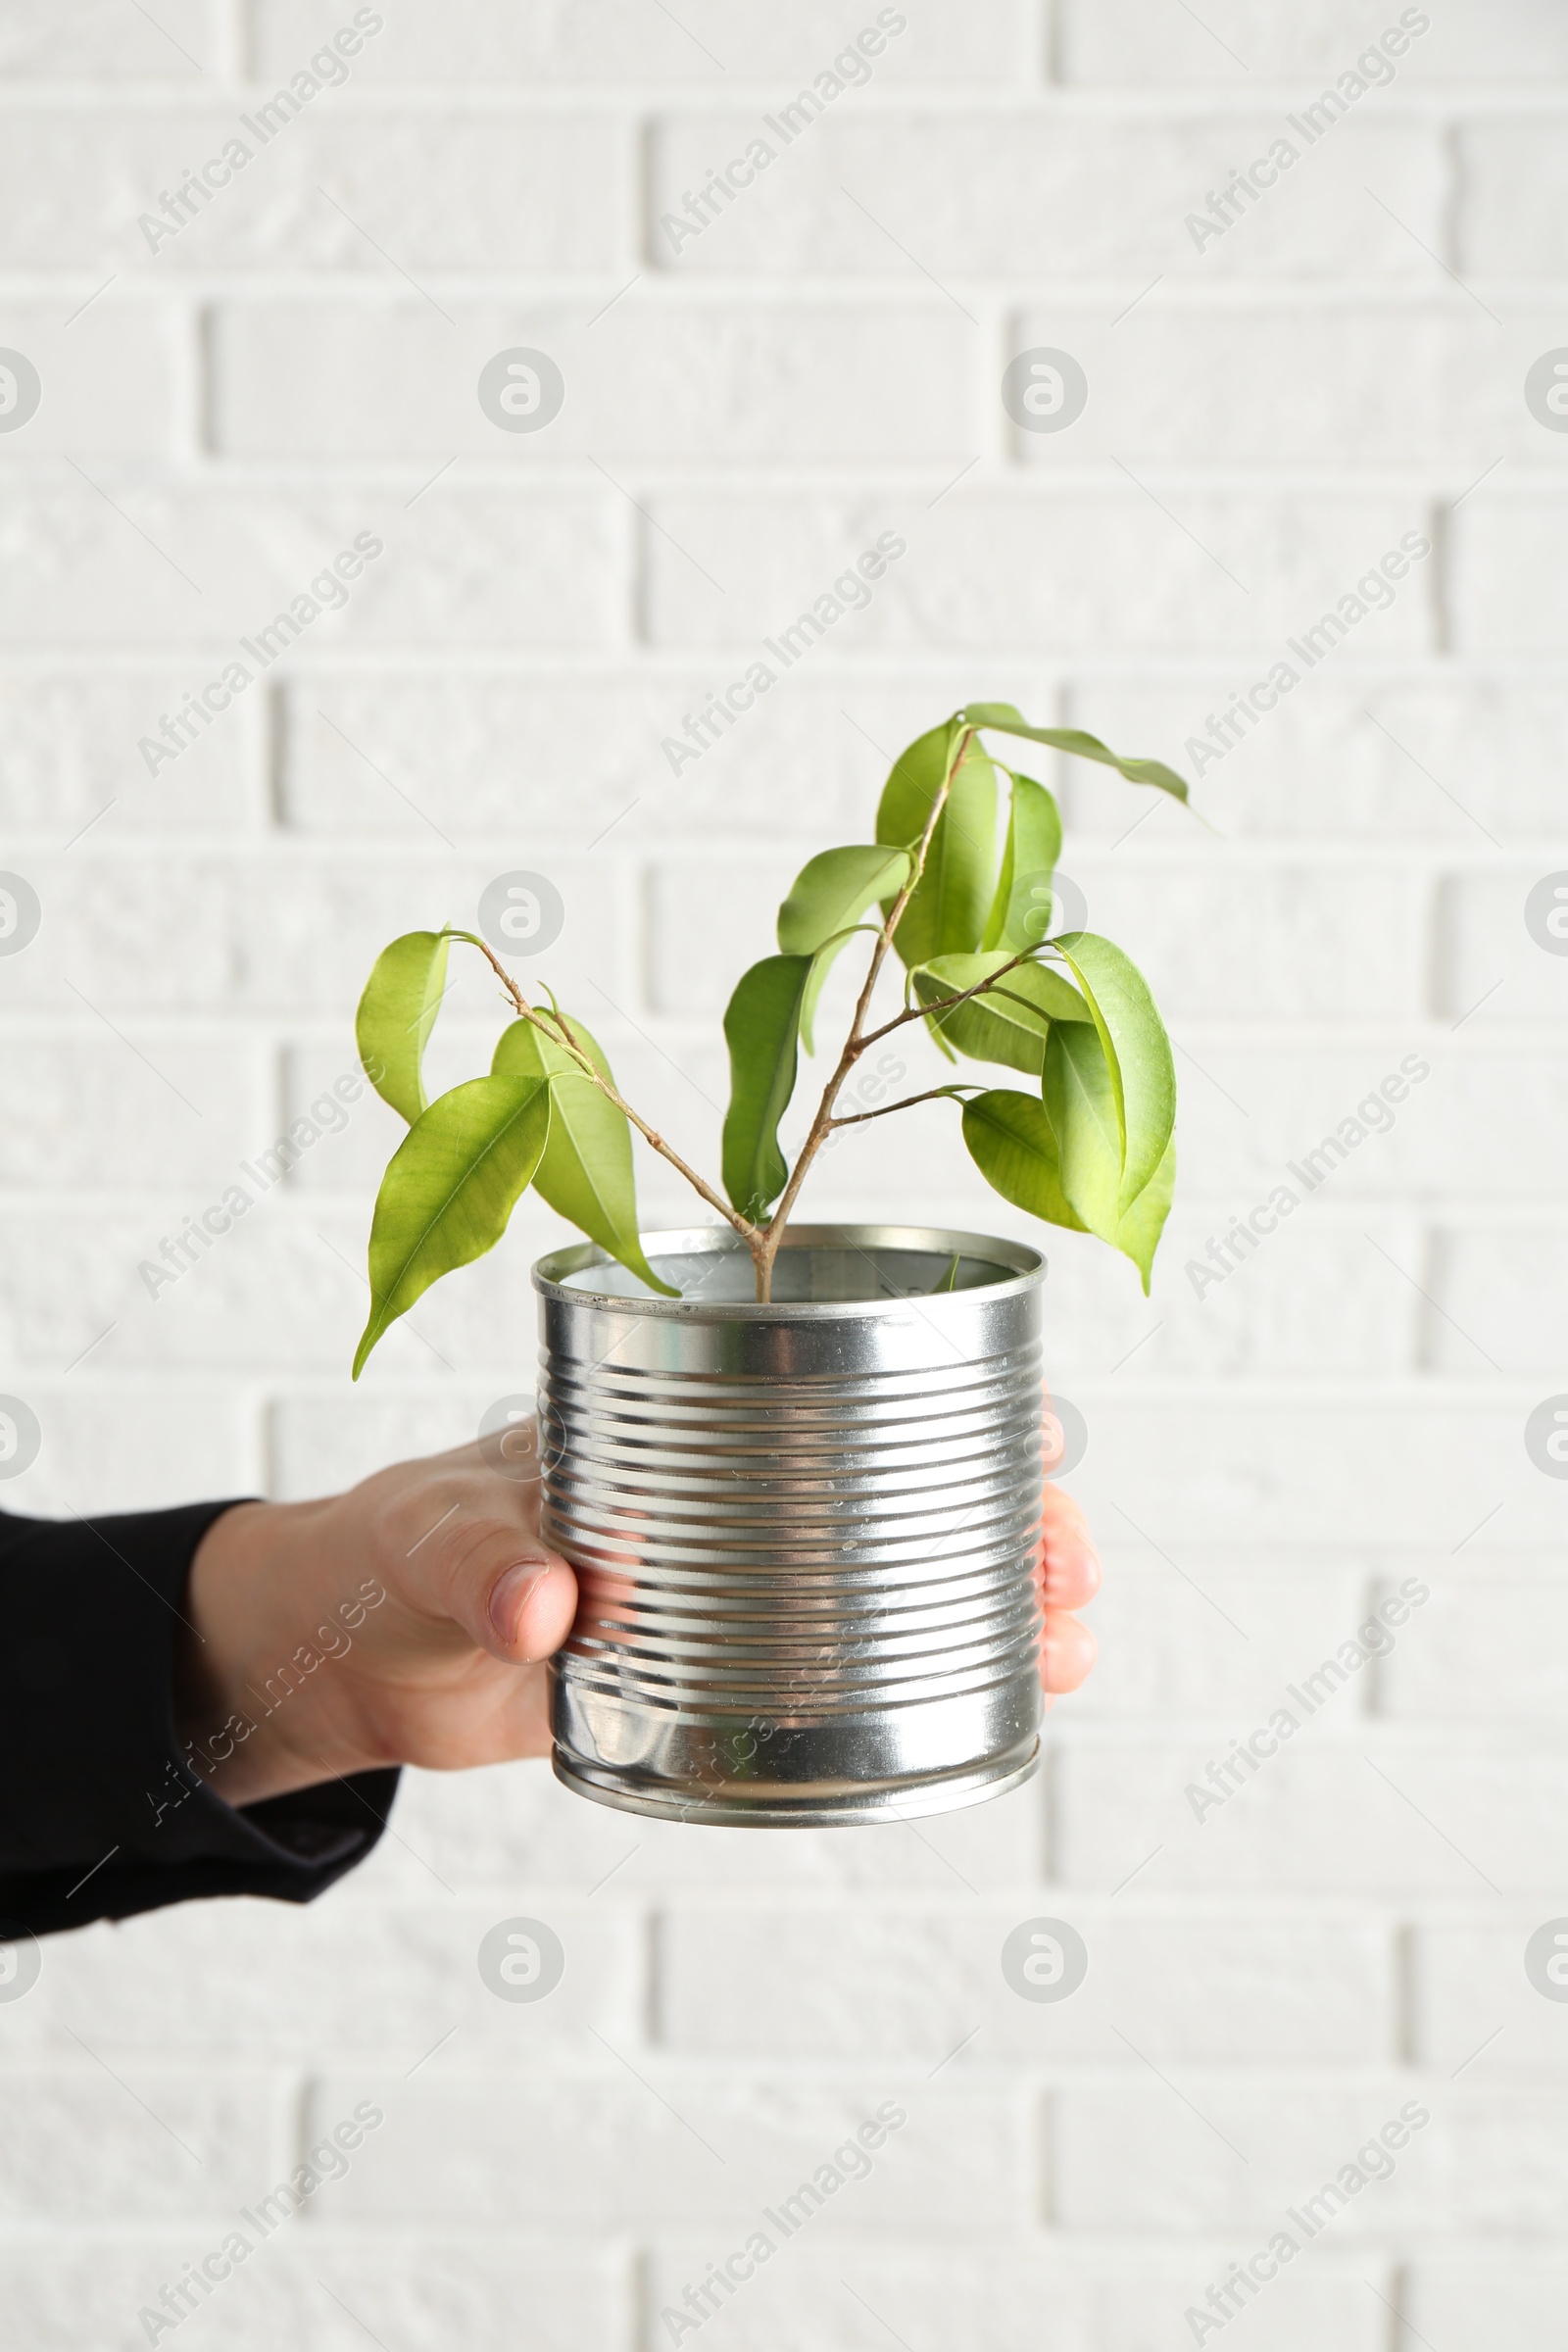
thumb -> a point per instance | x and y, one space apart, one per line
529 1608
510 1594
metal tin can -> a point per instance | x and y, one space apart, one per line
805 1532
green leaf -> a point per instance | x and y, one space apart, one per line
1080 1101
396 1015
448 1190
949 906
762 1027
1142 1069
833 892
1012 1142
1020 912
1008 722
823 964
586 1172
1138 1234
824 908
1011 1022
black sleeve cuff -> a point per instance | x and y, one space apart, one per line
101 1813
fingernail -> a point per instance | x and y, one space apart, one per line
510 1594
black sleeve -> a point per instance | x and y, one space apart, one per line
101 1813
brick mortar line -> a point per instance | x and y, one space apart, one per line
1434 105
695 1900
1427 1735
777 289
347 1202
773 287
1072 2244
1360 1035
169 469
637 666
895 665
1249 857
229 31
1003 1899
746 2070
880 100
1208 1906
1389 1395
241 841
1222 854
983 2087
718 479
288 1387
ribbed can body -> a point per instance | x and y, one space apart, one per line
804 1532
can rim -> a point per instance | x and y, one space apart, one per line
1028 1263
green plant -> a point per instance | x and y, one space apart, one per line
1090 1146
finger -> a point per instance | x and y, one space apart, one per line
1067 1652
1069 1565
531 1610
509 1591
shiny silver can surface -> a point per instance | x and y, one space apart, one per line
805 1532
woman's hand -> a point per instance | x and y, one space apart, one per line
1069 1577
405 1622
408 1622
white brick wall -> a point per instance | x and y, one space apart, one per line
1268 1984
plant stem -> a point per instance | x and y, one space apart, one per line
981 988
765 1240
765 1248
560 1035
934 1093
